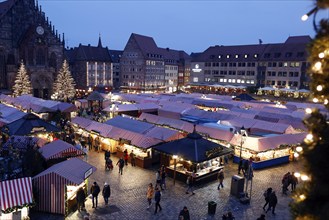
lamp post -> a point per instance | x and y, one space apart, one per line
243 137
175 163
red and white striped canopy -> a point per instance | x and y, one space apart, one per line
17 192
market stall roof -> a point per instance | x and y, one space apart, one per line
29 124
22 142
193 148
95 96
15 193
173 123
9 114
73 170
81 122
59 149
266 143
244 97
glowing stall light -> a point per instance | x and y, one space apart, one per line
326 102
296 154
302 197
319 88
315 100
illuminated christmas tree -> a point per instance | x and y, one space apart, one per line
311 201
22 83
64 84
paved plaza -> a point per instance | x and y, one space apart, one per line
128 195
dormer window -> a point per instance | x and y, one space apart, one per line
246 56
236 56
255 55
228 56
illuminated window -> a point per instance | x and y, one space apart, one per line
233 80
195 79
221 80
219 56
225 80
246 56
255 55
227 56
236 56
238 81
252 81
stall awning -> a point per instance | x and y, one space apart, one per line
17 192
59 149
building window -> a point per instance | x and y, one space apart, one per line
246 56
227 56
195 79
40 57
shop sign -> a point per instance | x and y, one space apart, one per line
37 129
69 154
197 68
214 152
88 172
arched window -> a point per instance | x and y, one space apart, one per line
40 56
53 60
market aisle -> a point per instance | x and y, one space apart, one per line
128 199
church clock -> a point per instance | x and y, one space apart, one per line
40 30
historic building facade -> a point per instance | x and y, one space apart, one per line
147 68
90 66
279 65
27 35
116 57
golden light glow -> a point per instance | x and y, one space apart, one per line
325 102
175 157
317 67
304 177
302 197
315 100
308 110
321 55
304 17
319 88
297 174
296 155
299 149
309 137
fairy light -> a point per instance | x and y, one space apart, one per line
309 137
317 66
325 102
299 149
304 177
304 17
297 174
302 197
308 110
319 88
315 100
321 55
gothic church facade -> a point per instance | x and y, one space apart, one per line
27 35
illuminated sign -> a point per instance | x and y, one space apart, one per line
88 173
196 68
215 152
38 129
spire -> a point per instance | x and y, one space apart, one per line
99 41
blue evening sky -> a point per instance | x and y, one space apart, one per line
189 25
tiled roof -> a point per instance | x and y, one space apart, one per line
298 39
146 44
115 55
88 53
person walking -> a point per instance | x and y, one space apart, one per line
285 183
220 178
267 194
94 190
125 156
190 182
184 214
294 181
107 154
121 164
149 195
132 158
157 198
158 179
81 197
273 200
163 177
106 193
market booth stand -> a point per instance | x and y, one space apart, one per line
15 198
57 186
192 154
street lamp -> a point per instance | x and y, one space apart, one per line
243 134
175 157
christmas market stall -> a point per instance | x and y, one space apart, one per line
57 186
16 197
59 150
192 154
268 150
30 124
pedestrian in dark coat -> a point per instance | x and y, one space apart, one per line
95 190
106 193
273 200
267 194
220 178
184 214
294 181
157 198
121 164
81 197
